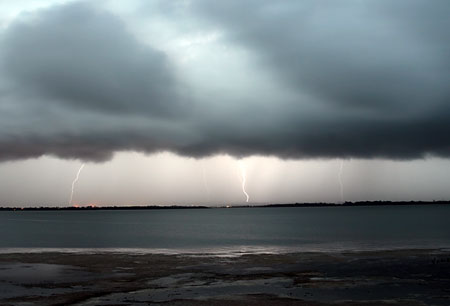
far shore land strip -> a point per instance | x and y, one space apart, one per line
299 205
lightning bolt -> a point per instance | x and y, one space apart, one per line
74 182
244 179
341 184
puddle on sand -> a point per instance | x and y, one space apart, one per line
27 279
38 273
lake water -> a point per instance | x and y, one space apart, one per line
227 231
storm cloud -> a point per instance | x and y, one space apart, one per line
84 58
343 79
355 54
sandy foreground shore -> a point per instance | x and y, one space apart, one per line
400 277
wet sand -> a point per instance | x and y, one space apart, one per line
400 277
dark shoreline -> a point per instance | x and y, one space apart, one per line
395 277
297 205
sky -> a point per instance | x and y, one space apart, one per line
177 102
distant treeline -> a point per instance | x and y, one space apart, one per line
360 203
346 204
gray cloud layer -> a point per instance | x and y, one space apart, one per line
84 58
368 79
358 54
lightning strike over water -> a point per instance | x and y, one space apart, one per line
341 184
243 178
74 182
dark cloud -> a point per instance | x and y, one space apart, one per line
357 54
379 69
84 58
368 79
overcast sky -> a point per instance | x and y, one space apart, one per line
321 100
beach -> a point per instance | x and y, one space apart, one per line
389 277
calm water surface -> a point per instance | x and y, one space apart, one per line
229 230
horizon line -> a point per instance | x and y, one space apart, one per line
271 205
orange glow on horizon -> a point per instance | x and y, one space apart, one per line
85 206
